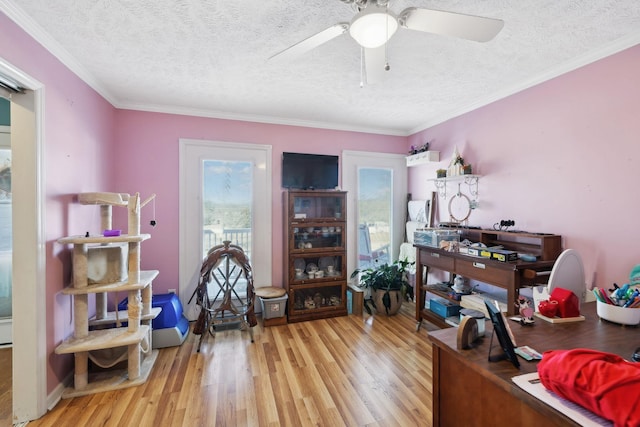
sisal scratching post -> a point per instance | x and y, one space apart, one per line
134 310
81 370
134 361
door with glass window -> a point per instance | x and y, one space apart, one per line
377 188
225 189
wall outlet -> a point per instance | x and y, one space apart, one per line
172 291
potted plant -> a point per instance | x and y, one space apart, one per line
467 170
388 284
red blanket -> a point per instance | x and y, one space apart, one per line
604 383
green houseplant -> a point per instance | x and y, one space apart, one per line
388 284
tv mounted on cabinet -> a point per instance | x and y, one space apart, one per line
309 171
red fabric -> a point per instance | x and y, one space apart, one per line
604 383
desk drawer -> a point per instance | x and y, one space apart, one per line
484 271
436 260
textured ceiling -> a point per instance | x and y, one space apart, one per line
209 57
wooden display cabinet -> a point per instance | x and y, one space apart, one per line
315 249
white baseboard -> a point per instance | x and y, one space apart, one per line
54 397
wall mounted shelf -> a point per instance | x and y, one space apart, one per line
422 158
470 180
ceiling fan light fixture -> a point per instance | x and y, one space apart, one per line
372 27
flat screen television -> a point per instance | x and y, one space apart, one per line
309 171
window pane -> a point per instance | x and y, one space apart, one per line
227 214
374 216
227 204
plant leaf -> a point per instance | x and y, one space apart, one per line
386 300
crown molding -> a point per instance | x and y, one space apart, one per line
24 21
31 27
185 111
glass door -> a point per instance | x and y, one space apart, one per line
377 205
222 187
374 216
227 192
227 214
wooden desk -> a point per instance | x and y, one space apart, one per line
469 390
506 275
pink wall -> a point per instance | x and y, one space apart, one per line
89 146
77 133
153 138
539 152
559 158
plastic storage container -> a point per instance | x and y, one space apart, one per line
442 307
614 313
433 236
273 307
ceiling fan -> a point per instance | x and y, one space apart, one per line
374 24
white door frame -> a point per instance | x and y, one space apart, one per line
192 151
29 250
352 161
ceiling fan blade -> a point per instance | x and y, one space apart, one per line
374 64
312 42
470 27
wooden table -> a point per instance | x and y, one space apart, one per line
469 390
506 275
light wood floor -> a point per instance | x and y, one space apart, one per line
351 371
6 364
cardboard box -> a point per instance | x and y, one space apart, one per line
443 308
504 255
485 253
473 251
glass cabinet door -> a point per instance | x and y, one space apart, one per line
310 207
310 298
317 237
316 267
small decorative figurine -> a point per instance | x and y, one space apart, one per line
526 312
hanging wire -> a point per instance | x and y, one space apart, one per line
153 218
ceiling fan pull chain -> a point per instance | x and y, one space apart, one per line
361 67
386 44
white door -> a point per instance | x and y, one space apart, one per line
376 206
225 194
28 249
